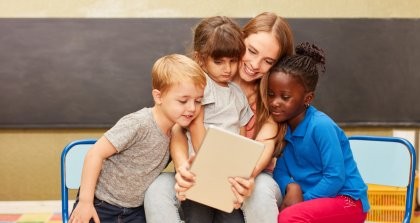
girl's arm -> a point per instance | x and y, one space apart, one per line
178 146
281 175
197 130
333 169
92 165
293 196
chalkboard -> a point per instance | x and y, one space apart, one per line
87 73
81 72
373 69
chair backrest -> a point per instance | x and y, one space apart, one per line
72 159
388 161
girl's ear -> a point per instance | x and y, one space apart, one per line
157 96
309 97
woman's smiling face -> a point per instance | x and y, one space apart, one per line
262 51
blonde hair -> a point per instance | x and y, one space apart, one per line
176 68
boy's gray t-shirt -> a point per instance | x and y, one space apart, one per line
143 152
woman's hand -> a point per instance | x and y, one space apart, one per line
293 196
242 188
185 179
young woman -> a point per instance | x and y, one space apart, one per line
267 38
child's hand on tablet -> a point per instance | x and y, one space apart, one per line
185 179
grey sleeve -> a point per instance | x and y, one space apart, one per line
124 133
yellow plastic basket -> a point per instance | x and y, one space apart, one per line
387 203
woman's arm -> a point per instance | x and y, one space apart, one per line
266 135
92 165
242 187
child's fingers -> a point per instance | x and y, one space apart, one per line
243 186
180 192
237 203
184 172
184 181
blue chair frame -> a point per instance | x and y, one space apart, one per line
72 158
389 161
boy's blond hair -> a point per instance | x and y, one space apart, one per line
176 68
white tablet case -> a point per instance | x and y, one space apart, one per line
222 154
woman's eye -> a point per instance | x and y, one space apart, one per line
269 62
252 51
182 101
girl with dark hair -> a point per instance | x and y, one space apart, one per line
316 171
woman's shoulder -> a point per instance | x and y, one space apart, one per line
269 128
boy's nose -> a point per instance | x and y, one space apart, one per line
191 106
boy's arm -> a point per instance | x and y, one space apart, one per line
197 130
179 153
266 135
92 165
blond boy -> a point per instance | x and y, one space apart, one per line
124 162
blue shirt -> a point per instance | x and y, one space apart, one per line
317 156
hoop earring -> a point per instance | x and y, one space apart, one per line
307 105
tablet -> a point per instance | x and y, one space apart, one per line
222 154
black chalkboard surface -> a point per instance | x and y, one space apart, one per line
373 69
87 73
